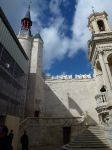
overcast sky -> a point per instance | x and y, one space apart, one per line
63 27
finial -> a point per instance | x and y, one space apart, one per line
93 9
30 1
29 4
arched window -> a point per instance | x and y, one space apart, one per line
101 25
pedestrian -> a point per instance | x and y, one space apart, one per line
4 142
10 136
24 141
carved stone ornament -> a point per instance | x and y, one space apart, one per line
100 51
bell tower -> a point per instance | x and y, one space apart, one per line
33 47
100 48
26 23
25 37
98 22
100 56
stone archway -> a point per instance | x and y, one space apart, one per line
101 25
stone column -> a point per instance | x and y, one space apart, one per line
104 70
109 73
95 26
98 79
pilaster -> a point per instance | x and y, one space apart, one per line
104 70
109 73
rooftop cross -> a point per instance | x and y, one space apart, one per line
30 3
93 9
26 22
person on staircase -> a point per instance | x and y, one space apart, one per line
24 141
10 136
4 141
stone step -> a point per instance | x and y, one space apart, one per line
96 143
91 146
78 141
85 148
95 132
75 142
89 142
96 129
91 138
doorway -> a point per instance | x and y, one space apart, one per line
66 134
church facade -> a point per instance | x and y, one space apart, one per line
100 56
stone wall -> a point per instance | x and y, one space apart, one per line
47 133
68 98
35 95
12 123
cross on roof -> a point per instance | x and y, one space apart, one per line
30 2
93 9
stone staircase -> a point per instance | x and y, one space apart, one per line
46 133
92 138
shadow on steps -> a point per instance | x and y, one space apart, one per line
92 138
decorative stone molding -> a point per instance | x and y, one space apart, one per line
70 77
105 48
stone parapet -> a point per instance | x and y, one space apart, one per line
51 121
69 77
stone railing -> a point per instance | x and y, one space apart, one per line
101 101
69 77
49 121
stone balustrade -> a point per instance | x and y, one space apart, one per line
101 99
101 102
49 121
69 77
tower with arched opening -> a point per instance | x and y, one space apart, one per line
100 55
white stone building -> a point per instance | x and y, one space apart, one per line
100 55
64 97
64 102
